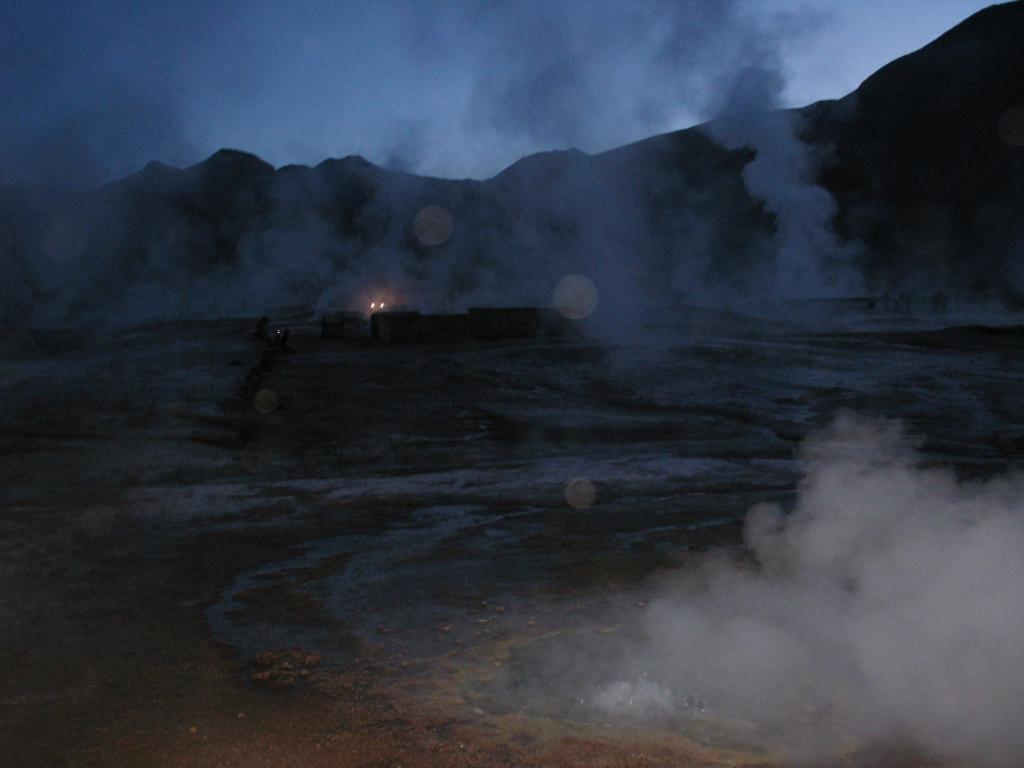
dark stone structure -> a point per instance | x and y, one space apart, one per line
395 326
479 324
343 325
510 322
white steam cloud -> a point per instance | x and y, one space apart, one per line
232 237
810 260
888 607
556 77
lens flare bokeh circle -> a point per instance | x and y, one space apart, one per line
580 493
265 400
575 297
433 226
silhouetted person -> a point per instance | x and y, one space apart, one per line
281 340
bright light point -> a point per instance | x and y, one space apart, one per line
580 493
575 297
433 226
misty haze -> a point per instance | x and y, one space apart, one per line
562 383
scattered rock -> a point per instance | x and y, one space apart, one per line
283 667
274 678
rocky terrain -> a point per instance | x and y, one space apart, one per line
357 574
223 550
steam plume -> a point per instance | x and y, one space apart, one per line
888 606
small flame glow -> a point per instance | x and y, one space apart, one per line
382 299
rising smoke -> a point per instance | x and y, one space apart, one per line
661 226
555 78
91 93
887 607
810 259
544 75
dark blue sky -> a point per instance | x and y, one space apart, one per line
94 90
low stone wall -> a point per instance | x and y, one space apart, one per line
479 324
343 325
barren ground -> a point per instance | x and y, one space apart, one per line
401 518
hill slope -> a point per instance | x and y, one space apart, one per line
925 161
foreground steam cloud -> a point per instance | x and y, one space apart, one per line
889 605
